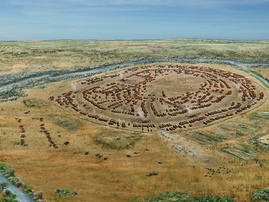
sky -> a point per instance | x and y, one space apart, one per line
133 19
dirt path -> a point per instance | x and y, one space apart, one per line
191 150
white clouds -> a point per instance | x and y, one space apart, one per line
41 8
69 7
49 7
96 3
108 19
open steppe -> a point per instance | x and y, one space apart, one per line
23 56
108 162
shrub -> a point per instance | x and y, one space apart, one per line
30 193
24 190
8 193
38 196
40 200
151 174
64 192
266 190
29 187
14 180
57 191
258 194
4 166
9 173
177 196
19 184
210 198
3 186
12 196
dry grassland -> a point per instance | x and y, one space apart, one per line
55 55
263 71
119 178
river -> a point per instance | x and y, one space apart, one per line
108 67
22 197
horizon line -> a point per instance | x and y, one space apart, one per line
130 39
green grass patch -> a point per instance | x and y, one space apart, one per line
116 140
241 151
262 144
4 166
249 149
35 118
64 122
35 103
239 129
261 195
257 73
261 115
170 196
205 137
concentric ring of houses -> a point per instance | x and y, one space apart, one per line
130 95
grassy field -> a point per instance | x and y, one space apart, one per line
264 71
239 129
120 178
64 121
66 54
35 103
240 151
207 138
117 139
103 163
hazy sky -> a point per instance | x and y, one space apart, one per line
133 19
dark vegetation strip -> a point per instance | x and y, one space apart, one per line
28 189
16 91
170 196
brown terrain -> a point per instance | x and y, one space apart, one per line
78 140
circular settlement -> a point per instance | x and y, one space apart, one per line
169 97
